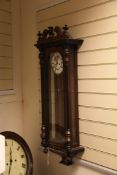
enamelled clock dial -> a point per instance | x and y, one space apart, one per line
57 62
18 157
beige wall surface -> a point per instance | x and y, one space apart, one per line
95 22
11 105
11 111
6 46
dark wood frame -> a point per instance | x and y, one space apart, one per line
24 145
57 39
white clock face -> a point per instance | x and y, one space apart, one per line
16 161
57 62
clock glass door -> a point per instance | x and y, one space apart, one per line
56 95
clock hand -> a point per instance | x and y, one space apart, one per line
10 156
10 160
56 61
9 169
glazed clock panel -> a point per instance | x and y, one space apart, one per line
56 109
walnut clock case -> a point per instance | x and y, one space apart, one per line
58 61
18 156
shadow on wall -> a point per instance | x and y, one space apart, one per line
50 165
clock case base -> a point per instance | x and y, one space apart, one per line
67 155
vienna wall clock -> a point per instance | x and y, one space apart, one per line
58 60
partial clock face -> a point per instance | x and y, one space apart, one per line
18 158
16 161
56 62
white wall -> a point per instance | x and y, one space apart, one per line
94 41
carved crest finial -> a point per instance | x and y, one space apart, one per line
40 35
45 34
65 32
58 31
54 33
50 32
